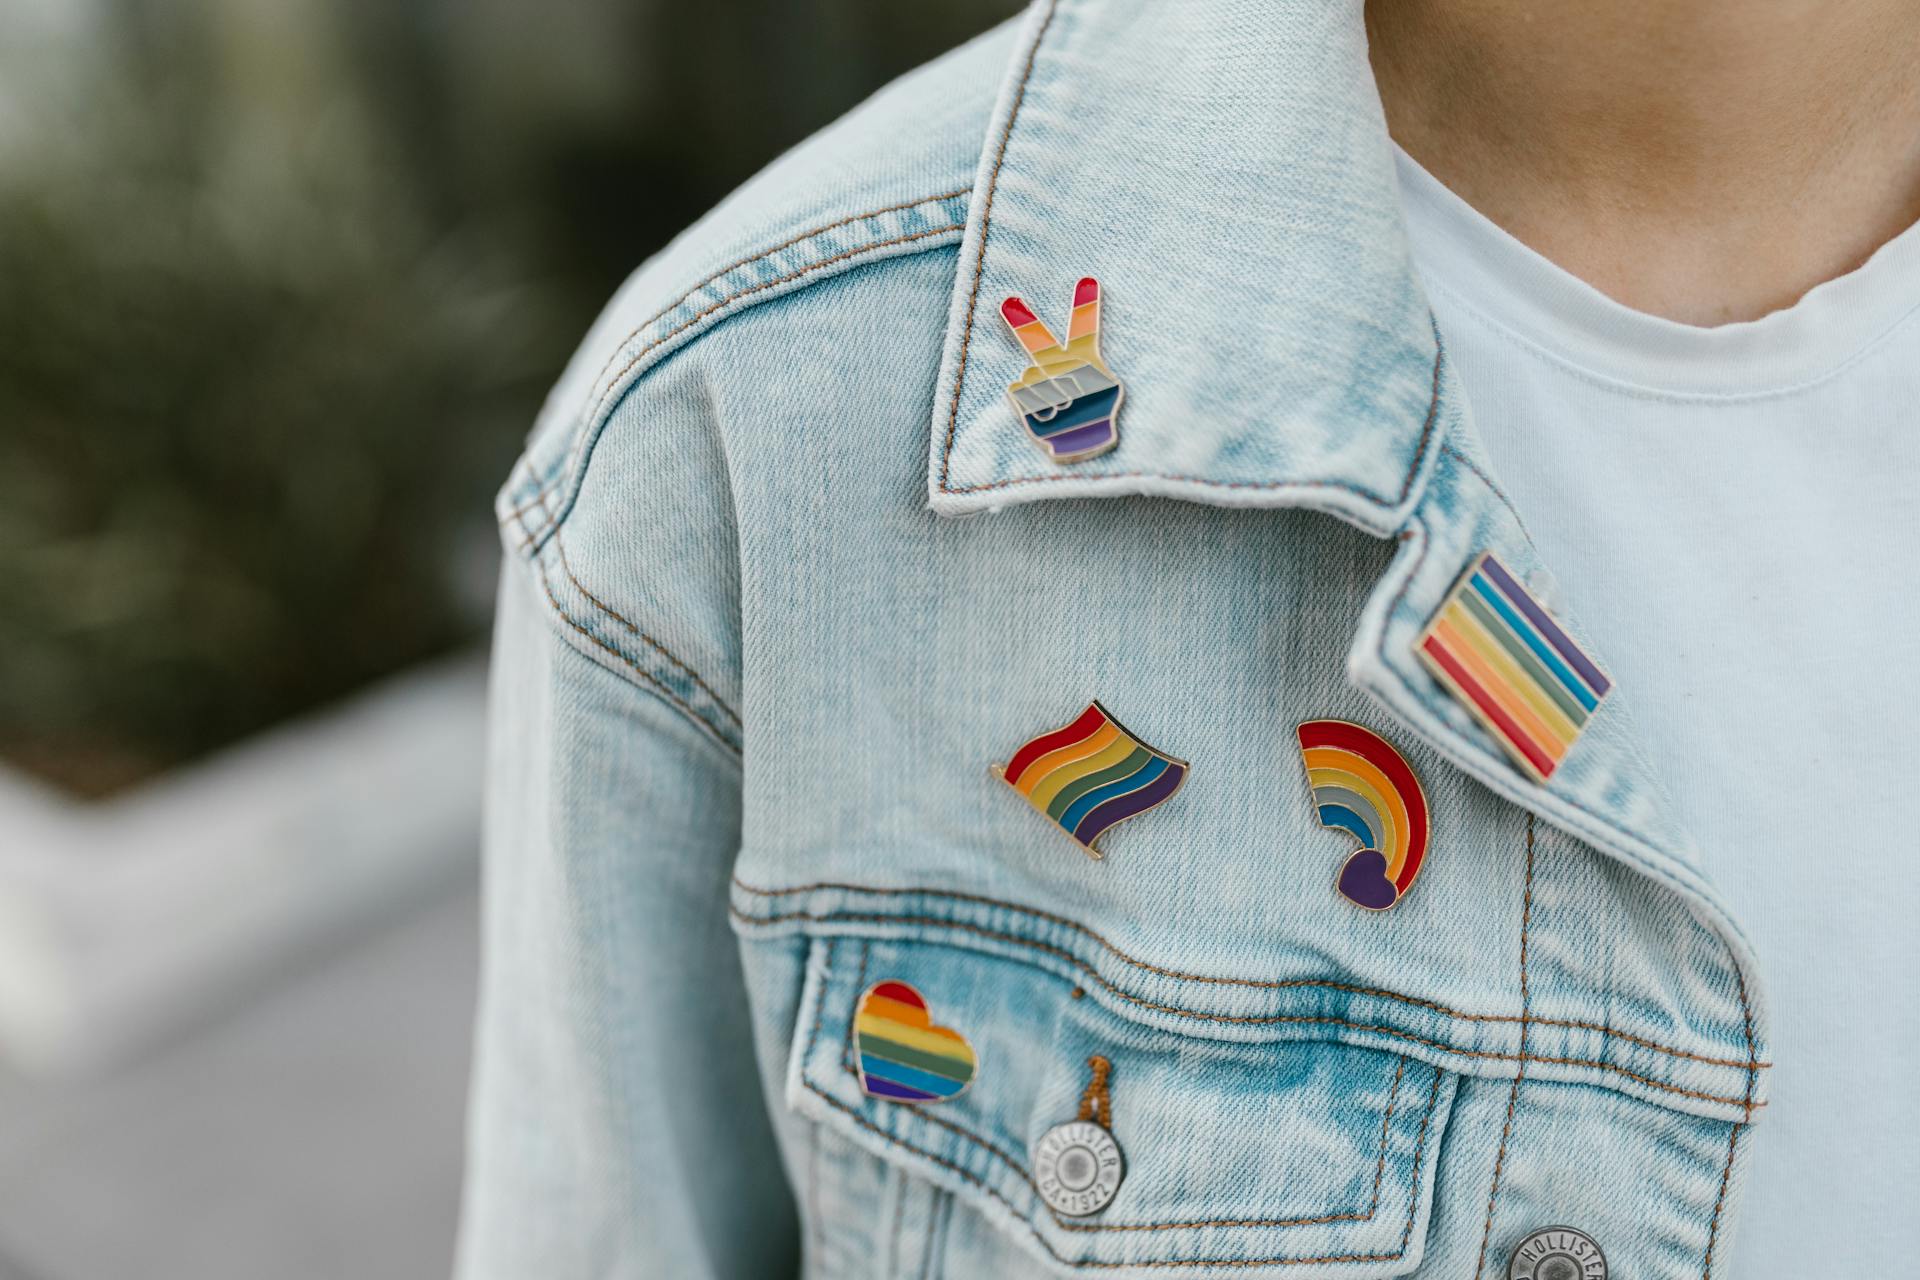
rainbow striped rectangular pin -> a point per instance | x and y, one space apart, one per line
1091 774
1509 663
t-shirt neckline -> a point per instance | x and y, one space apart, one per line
1463 253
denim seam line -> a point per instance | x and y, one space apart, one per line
1513 1094
1258 984
652 683
581 447
1026 1220
1074 961
606 384
1719 1202
543 487
1067 1224
1466 744
673 659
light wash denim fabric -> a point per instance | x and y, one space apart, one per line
785 575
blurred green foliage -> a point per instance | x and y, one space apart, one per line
280 289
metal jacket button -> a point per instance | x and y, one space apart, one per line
1558 1253
1077 1168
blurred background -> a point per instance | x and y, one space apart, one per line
282 283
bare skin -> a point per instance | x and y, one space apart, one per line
1704 160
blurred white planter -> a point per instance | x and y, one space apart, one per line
123 919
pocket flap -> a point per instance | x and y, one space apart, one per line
1285 1158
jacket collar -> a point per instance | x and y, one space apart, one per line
1231 185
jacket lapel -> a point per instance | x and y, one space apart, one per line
1259 305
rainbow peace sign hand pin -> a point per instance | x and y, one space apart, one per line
1068 398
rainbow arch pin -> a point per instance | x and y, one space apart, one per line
1362 786
1090 775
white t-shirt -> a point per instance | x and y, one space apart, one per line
1732 514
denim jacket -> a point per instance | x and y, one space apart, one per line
787 576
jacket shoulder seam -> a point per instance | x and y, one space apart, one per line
657 670
910 226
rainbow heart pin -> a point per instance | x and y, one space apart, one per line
1363 787
901 1055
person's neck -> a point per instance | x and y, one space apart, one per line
1703 160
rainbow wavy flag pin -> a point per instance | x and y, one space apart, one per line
1090 775
1068 398
1362 786
1512 666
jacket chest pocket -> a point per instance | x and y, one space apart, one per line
1190 1155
